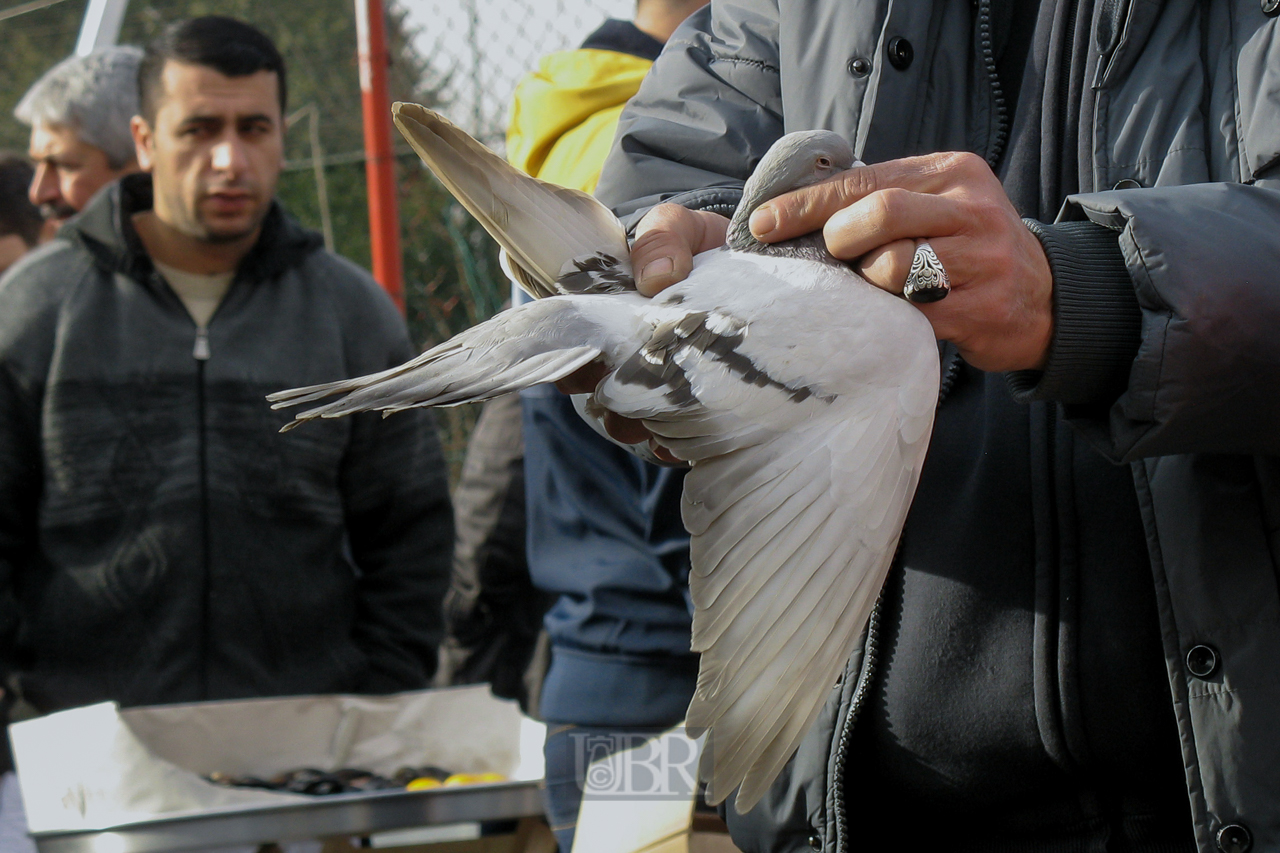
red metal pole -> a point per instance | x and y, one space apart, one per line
384 215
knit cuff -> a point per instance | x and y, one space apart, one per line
721 200
1097 323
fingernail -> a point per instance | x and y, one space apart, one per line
657 269
762 221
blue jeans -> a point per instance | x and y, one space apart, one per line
569 750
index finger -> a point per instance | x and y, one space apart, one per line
806 210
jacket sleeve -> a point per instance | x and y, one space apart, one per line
1199 374
28 323
699 148
399 523
20 488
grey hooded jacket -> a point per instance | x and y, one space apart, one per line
1186 119
160 540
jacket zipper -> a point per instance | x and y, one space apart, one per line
987 46
1072 14
870 655
870 658
200 352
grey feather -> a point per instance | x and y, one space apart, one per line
801 396
549 232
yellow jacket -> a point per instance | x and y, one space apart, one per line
564 114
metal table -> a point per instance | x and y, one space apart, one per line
336 814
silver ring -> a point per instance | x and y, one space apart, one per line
928 280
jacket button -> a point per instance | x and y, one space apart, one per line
815 841
901 52
1271 8
860 66
1130 183
1234 838
1202 660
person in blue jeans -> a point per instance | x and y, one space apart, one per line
604 530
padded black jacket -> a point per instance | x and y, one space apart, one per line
160 541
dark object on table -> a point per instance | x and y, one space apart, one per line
309 780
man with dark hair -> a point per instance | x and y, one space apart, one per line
159 540
20 220
225 45
79 114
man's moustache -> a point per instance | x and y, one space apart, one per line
232 188
57 210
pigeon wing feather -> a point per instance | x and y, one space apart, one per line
807 427
560 239
538 342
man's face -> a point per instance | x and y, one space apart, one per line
215 151
68 171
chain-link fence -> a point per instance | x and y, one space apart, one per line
467 53
475 51
462 56
480 48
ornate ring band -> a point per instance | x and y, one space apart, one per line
928 280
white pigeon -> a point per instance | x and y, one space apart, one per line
801 396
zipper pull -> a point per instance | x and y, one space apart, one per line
201 350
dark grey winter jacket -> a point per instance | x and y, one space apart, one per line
160 541
1187 111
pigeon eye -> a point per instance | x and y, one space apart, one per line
824 162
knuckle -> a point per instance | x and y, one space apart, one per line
857 182
674 212
963 161
986 214
893 201
880 206
667 228
803 206
662 216
646 243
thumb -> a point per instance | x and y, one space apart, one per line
666 240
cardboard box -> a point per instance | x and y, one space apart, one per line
101 767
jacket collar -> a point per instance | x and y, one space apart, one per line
105 230
623 37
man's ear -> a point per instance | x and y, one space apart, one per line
143 142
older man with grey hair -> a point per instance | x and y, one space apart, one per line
79 114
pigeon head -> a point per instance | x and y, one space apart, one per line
796 160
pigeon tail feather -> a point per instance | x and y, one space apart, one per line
516 349
560 240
